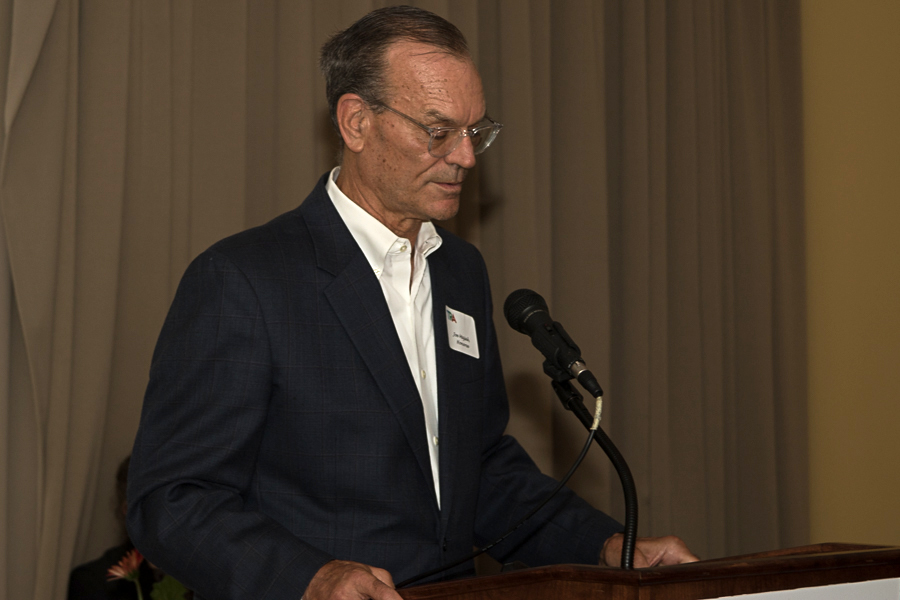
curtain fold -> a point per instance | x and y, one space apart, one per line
62 184
6 322
647 184
5 343
704 171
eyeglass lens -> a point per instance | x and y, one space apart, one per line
445 142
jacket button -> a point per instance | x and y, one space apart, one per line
445 544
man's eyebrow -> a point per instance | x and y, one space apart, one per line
435 116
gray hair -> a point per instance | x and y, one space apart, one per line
353 59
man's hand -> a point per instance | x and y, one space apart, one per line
345 580
648 552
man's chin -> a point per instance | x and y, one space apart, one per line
445 210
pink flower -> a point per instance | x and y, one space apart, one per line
128 568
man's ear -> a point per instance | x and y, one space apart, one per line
353 120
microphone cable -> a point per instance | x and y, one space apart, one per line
587 445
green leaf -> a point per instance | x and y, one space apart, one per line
168 588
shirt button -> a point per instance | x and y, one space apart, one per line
403 248
423 373
435 440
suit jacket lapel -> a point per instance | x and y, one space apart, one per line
449 291
356 297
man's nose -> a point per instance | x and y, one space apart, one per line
463 155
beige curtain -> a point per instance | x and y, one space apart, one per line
647 184
706 226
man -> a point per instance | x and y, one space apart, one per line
326 405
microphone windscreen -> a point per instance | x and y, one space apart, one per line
520 305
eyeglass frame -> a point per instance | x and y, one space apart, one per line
495 128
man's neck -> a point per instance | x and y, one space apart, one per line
366 199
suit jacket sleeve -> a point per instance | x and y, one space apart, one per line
204 413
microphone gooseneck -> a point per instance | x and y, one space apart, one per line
527 312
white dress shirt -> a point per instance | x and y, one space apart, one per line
407 289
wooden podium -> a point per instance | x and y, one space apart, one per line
808 566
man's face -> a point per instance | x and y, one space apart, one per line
405 184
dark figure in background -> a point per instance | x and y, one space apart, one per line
326 406
88 581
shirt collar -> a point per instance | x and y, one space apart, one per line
373 237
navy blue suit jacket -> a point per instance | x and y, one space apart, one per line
282 427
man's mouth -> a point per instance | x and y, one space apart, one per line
452 182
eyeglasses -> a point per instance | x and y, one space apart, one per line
444 140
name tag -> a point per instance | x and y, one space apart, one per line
461 332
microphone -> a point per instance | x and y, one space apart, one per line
527 312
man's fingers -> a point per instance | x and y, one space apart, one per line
380 590
668 550
346 580
383 576
611 554
676 552
640 561
648 552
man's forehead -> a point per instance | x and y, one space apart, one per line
418 60
433 79
418 51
